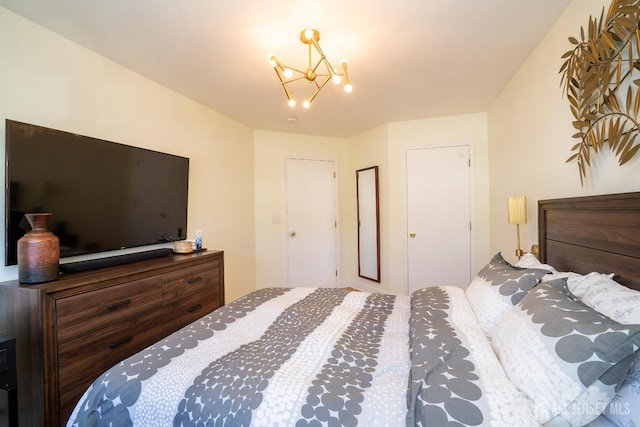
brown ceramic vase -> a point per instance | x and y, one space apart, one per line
38 252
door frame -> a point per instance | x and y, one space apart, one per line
405 201
336 198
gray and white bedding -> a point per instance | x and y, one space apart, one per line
307 356
325 357
277 356
455 377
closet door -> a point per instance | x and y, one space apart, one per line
438 216
311 198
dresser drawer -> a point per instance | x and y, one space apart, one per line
185 310
83 313
178 289
190 280
189 294
82 360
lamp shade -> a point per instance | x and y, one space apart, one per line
517 209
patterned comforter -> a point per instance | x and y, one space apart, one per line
455 378
314 356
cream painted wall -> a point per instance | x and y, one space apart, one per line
237 187
46 80
270 151
366 150
385 147
530 138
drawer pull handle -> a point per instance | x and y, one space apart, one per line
194 308
118 305
120 342
194 279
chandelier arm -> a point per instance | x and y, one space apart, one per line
316 67
284 84
325 82
278 71
297 70
329 68
287 93
291 80
332 71
343 63
319 88
323 58
317 46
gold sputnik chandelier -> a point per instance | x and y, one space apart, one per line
314 73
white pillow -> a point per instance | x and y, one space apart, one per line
529 260
560 275
578 286
615 301
577 283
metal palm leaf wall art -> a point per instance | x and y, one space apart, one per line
601 79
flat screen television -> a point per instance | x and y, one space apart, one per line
103 195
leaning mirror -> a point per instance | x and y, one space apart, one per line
368 223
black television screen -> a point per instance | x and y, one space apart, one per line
102 195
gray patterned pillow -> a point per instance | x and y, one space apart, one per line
498 287
565 356
623 409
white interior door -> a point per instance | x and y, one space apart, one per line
311 222
438 216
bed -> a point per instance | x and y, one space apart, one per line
538 342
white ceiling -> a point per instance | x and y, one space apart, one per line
408 59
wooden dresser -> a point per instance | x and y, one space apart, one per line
69 331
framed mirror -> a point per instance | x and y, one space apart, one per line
368 223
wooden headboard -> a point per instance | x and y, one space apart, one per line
593 233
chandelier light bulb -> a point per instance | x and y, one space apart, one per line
306 104
288 73
272 60
308 33
348 88
292 103
336 79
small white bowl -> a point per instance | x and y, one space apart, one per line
182 246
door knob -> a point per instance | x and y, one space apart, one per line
292 234
412 235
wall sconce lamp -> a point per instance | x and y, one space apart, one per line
312 73
517 206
